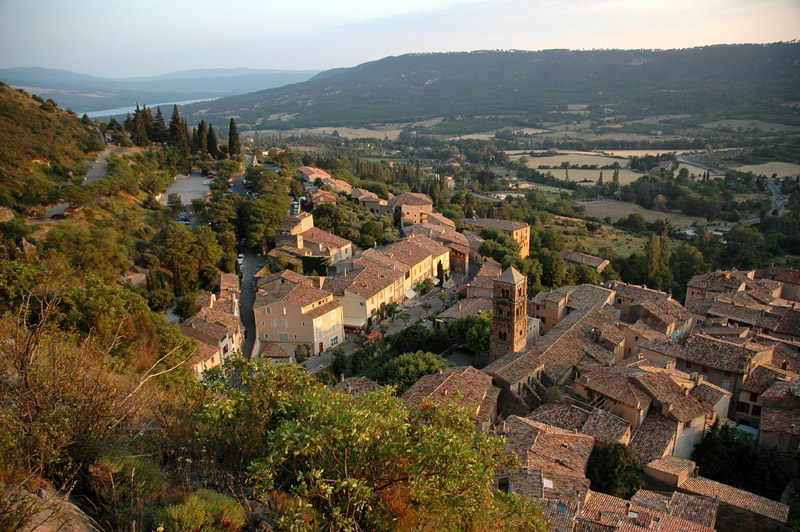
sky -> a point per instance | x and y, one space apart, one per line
112 38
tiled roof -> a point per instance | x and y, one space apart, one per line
229 282
474 239
671 396
318 236
582 258
409 198
559 513
323 309
205 351
626 516
741 314
299 294
723 332
355 386
463 386
599 424
780 420
358 193
654 437
408 252
673 465
215 315
277 350
708 392
208 332
617 382
466 307
782 390
502 225
587 296
365 282
312 173
790 323
440 219
719 281
765 376
791 277
737 498
699 510
566 346
511 276
712 352
667 310
635 292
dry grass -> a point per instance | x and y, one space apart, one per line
745 124
767 169
619 209
574 231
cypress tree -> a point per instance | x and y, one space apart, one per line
139 132
188 149
176 128
178 286
234 146
211 142
160 131
202 138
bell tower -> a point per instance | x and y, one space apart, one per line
509 314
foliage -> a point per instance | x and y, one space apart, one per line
357 462
613 469
406 369
758 470
203 510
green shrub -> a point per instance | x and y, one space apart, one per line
203 511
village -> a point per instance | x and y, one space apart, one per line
567 371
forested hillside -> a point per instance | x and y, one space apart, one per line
525 84
41 147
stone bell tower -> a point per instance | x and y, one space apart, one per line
509 314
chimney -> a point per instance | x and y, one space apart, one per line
341 377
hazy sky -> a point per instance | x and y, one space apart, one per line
147 37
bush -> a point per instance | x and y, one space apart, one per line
204 511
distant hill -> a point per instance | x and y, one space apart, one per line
84 93
39 146
518 83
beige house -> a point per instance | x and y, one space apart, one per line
520 232
297 236
365 290
582 259
309 174
552 307
300 313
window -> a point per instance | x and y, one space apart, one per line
756 410
619 301
743 407
753 397
687 424
319 334
283 337
269 310
561 508
274 323
502 484
285 324
688 365
333 314
304 324
334 340
262 323
284 310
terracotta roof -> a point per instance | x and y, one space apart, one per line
570 344
358 193
464 386
318 236
502 225
311 173
741 314
782 390
666 310
673 465
229 282
302 294
440 219
737 498
205 351
599 424
699 510
790 323
780 420
466 307
712 352
723 332
278 350
718 281
765 376
709 393
409 198
582 258
292 222
365 282
355 386
323 309
654 437
791 277
216 315
512 276
617 383
621 515
559 513
200 329
675 404
635 292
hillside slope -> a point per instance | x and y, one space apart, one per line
421 86
39 145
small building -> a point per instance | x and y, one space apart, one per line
581 259
519 231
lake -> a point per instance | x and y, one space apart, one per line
119 111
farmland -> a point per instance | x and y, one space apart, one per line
619 209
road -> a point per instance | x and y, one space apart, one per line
252 263
689 159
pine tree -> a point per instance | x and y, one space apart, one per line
139 132
211 143
176 137
234 146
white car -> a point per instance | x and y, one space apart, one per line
240 258
208 181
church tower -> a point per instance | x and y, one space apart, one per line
509 314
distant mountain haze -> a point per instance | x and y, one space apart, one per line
84 93
416 87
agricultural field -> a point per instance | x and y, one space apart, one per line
619 209
767 169
574 232
747 124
